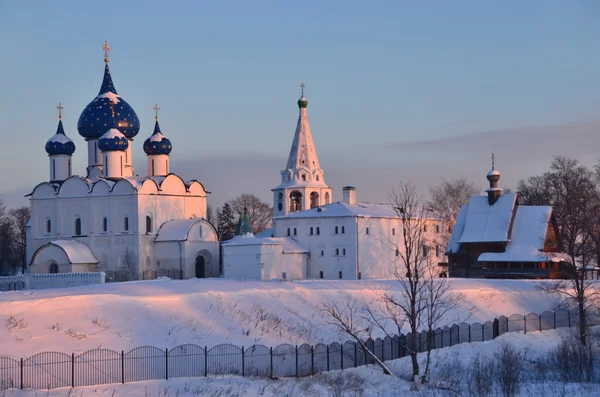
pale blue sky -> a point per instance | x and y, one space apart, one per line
394 87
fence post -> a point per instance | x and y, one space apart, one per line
469 333
243 362
525 323
495 328
458 331
540 318
271 350
21 373
72 369
296 361
450 336
555 319
342 355
569 317
355 356
123 366
167 364
327 358
312 359
205 361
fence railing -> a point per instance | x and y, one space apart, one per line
50 370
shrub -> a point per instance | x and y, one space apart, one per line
508 369
571 361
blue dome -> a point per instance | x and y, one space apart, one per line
157 143
113 140
60 143
96 117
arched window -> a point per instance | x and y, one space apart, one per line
344 251
280 206
322 254
104 224
437 250
295 201
288 231
393 231
148 224
78 227
48 226
327 198
424 228
337 252
295 232
336 230
321 274
53 268
311 231
340 274
437 228
200 231
126 224
367 230
314 200
304 177
317 177
343 229
318 230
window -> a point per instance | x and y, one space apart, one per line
336 230
424 228
359 276
288 232
48 226
437 250
367 230
126 224
321 274
344 251
304 177
397 252
322 253
283 275
148 224
311 231
314 200
393 231
199 231
449 229
318 231
78 227
337 252
317 176
340 274
437 228
343 229
425 250
53 268
295 232
279 206
104 224
53 169
295 201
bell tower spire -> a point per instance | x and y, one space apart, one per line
302 182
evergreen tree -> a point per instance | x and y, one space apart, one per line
225 223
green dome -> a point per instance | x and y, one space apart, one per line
302 102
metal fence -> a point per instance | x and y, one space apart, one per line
50 370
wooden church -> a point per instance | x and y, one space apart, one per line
496 237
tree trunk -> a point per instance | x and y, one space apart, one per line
582 322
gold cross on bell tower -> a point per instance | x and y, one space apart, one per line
106 49
302 88
156 109
493 161
60 108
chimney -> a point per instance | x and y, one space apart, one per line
349 195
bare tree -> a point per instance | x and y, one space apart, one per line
259 212
6 242
129 272
210 214
347 320
20 217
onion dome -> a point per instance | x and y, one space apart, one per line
157 143
243 226
113 139
96 117
302 102
60 143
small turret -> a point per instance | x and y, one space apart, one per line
493 177
60 148
243 226
113 145
157 147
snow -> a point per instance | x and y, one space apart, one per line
289 245
60 138
366 381
114 98
459 225
156 137
265 233
207 312
343 209
176 229
527 238
488 223
76 251
112 133
493 173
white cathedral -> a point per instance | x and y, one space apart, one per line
114 221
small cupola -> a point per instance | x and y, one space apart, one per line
157 147
60 148
243 226
493 192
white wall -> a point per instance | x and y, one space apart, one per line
242 262
262 262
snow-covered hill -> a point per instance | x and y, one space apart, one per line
167 313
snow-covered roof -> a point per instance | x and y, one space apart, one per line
265 233
527 238
459 225
113 133
111 96
60 138
485 222
341 209
176 229
76 252
289 246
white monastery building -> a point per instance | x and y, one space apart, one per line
315 238
112 220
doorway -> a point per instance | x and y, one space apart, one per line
200 267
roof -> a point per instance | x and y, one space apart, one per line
76 252
487 223
341 209
289 246
527 238
176 229
459 225
303 152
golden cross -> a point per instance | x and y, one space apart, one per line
106 49
302 87
156 109
493 161
60 108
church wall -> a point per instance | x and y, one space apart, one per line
202 241
49 255
166 255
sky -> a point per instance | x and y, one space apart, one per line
397 90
